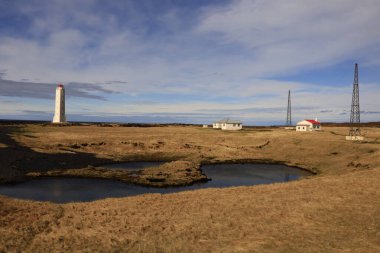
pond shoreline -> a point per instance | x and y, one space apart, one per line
314 171
170 174
92 184
305 213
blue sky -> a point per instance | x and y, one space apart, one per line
189 61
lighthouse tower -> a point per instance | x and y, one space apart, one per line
59 115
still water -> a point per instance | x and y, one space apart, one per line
63 190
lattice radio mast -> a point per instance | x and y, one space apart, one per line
355 108
289 112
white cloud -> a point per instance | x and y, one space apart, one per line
233 51
294 35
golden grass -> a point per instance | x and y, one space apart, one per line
323 214
326 151
176 173
336 211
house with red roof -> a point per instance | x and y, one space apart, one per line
309 125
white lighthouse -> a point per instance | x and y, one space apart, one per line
59 115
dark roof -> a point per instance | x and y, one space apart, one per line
228 121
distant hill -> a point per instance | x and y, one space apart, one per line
120 124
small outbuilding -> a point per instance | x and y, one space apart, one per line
308 125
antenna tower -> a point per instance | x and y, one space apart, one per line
289 112
355 108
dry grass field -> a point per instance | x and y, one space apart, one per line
337 210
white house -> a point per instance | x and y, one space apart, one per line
227 124
232 125
309 125
218 124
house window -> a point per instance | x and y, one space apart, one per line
303 127
234 125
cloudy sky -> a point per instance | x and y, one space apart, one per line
190 61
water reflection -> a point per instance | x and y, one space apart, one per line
63 190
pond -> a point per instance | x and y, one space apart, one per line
63 190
